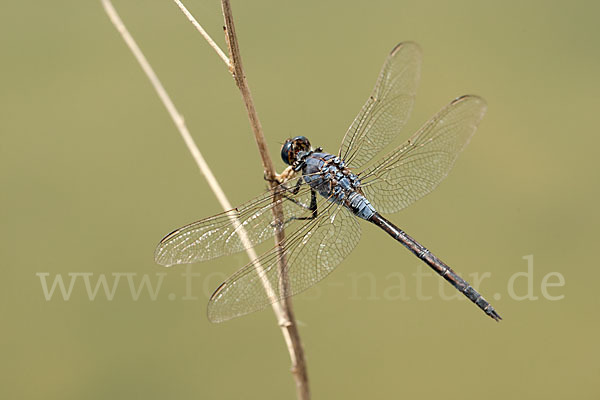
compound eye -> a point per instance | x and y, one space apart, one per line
302 143
287 152
291 148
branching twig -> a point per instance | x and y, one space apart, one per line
282 311
291 330
204 34
189 141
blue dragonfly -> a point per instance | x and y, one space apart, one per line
324 196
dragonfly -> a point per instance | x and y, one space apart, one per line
323 197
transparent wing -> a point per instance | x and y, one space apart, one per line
312 252
218 235
419 165
387 109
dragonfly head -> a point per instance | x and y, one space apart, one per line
292 149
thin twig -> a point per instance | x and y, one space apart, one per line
284 313
296 351
192 147
189 141
204 34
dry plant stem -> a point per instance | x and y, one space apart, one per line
180 124
257 129
189 141
204 34
236 67
285 319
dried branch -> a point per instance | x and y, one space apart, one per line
189 141
282 311
291 330
204 34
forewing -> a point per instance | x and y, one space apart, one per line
218 235
311 252
419 165
387 109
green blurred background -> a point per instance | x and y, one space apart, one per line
94 173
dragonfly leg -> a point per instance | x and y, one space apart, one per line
293 191
312 207
281 178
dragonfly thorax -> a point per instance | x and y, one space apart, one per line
328 175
